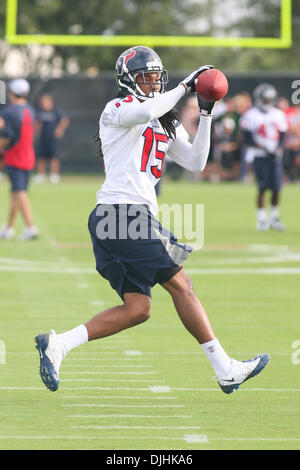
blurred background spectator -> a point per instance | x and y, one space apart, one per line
51 124
227 160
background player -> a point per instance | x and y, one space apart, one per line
17 143
1 165
136 130
51 124
264 128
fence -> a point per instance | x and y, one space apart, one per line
83 99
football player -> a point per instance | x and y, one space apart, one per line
136 130
264 128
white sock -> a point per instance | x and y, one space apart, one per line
218 358
73 338
261 214
274 212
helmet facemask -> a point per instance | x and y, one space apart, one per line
161 81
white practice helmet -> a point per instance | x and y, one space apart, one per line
265 96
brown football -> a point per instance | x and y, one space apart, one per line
211 85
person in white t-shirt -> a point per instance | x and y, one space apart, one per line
264 128
132 250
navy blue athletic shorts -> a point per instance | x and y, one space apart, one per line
132 250
19 179
48 150
268 173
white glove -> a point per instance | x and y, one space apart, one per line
189 82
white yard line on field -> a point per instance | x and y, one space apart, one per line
53 268
117 438
93 372
115 397
131 416
111 346
159 389
195 271
118 405
97 303
113 380
133 353
207 389
21 388
116 366
121 389
133 427
277 257
115 340
102 359
180 389
238 271
46 269
256 248
195 438
281 258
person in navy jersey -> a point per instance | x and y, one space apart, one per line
17 144
51 124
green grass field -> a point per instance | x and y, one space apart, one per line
151 387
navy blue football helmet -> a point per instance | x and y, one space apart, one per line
135 61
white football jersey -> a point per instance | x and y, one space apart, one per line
133 156
265 129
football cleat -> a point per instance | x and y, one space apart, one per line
242 371
39 178
54 178
262 226
277 225
51 354
30 233
7 233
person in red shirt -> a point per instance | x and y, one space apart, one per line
17 144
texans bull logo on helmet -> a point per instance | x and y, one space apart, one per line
122 64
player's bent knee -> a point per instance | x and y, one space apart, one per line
143 315
140 315
138 308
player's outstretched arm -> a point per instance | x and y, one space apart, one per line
140 113
154 108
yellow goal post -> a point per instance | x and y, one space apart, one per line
282 42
